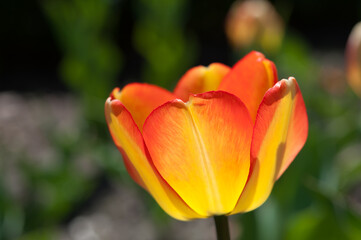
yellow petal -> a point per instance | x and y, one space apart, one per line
201 148
200 79
279 134
129 141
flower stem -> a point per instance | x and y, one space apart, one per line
222 227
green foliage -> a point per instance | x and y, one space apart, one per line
11 216
160 38
40 234
52 198
91 60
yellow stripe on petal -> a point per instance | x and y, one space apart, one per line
201 148
200 79
280 132
129 141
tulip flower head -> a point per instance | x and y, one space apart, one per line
254 23
217 144
353 59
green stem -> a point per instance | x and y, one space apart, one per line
222 227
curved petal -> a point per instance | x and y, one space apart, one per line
353 59
202 149
200 79
141 99
129 141
279 134
249 79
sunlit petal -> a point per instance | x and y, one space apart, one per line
129 141
200 79
201 148
141 99
249 79
279 134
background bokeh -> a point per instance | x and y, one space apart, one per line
61 176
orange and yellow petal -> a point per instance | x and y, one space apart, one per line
200 79
249 79
280 132
353 59
129 141
201 148
141 99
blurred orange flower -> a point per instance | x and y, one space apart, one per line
353 59
254 23
217 144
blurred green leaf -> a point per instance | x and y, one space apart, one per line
91 60
160 38
41 234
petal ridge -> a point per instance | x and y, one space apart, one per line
279 134
205 160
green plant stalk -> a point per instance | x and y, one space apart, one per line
222 227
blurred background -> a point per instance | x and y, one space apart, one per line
61 177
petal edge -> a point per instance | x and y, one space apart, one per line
279 134
129 141
249 79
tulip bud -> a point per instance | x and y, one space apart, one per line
218 152
253 23
353 59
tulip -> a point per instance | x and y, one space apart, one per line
353 59
254 23
217 144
